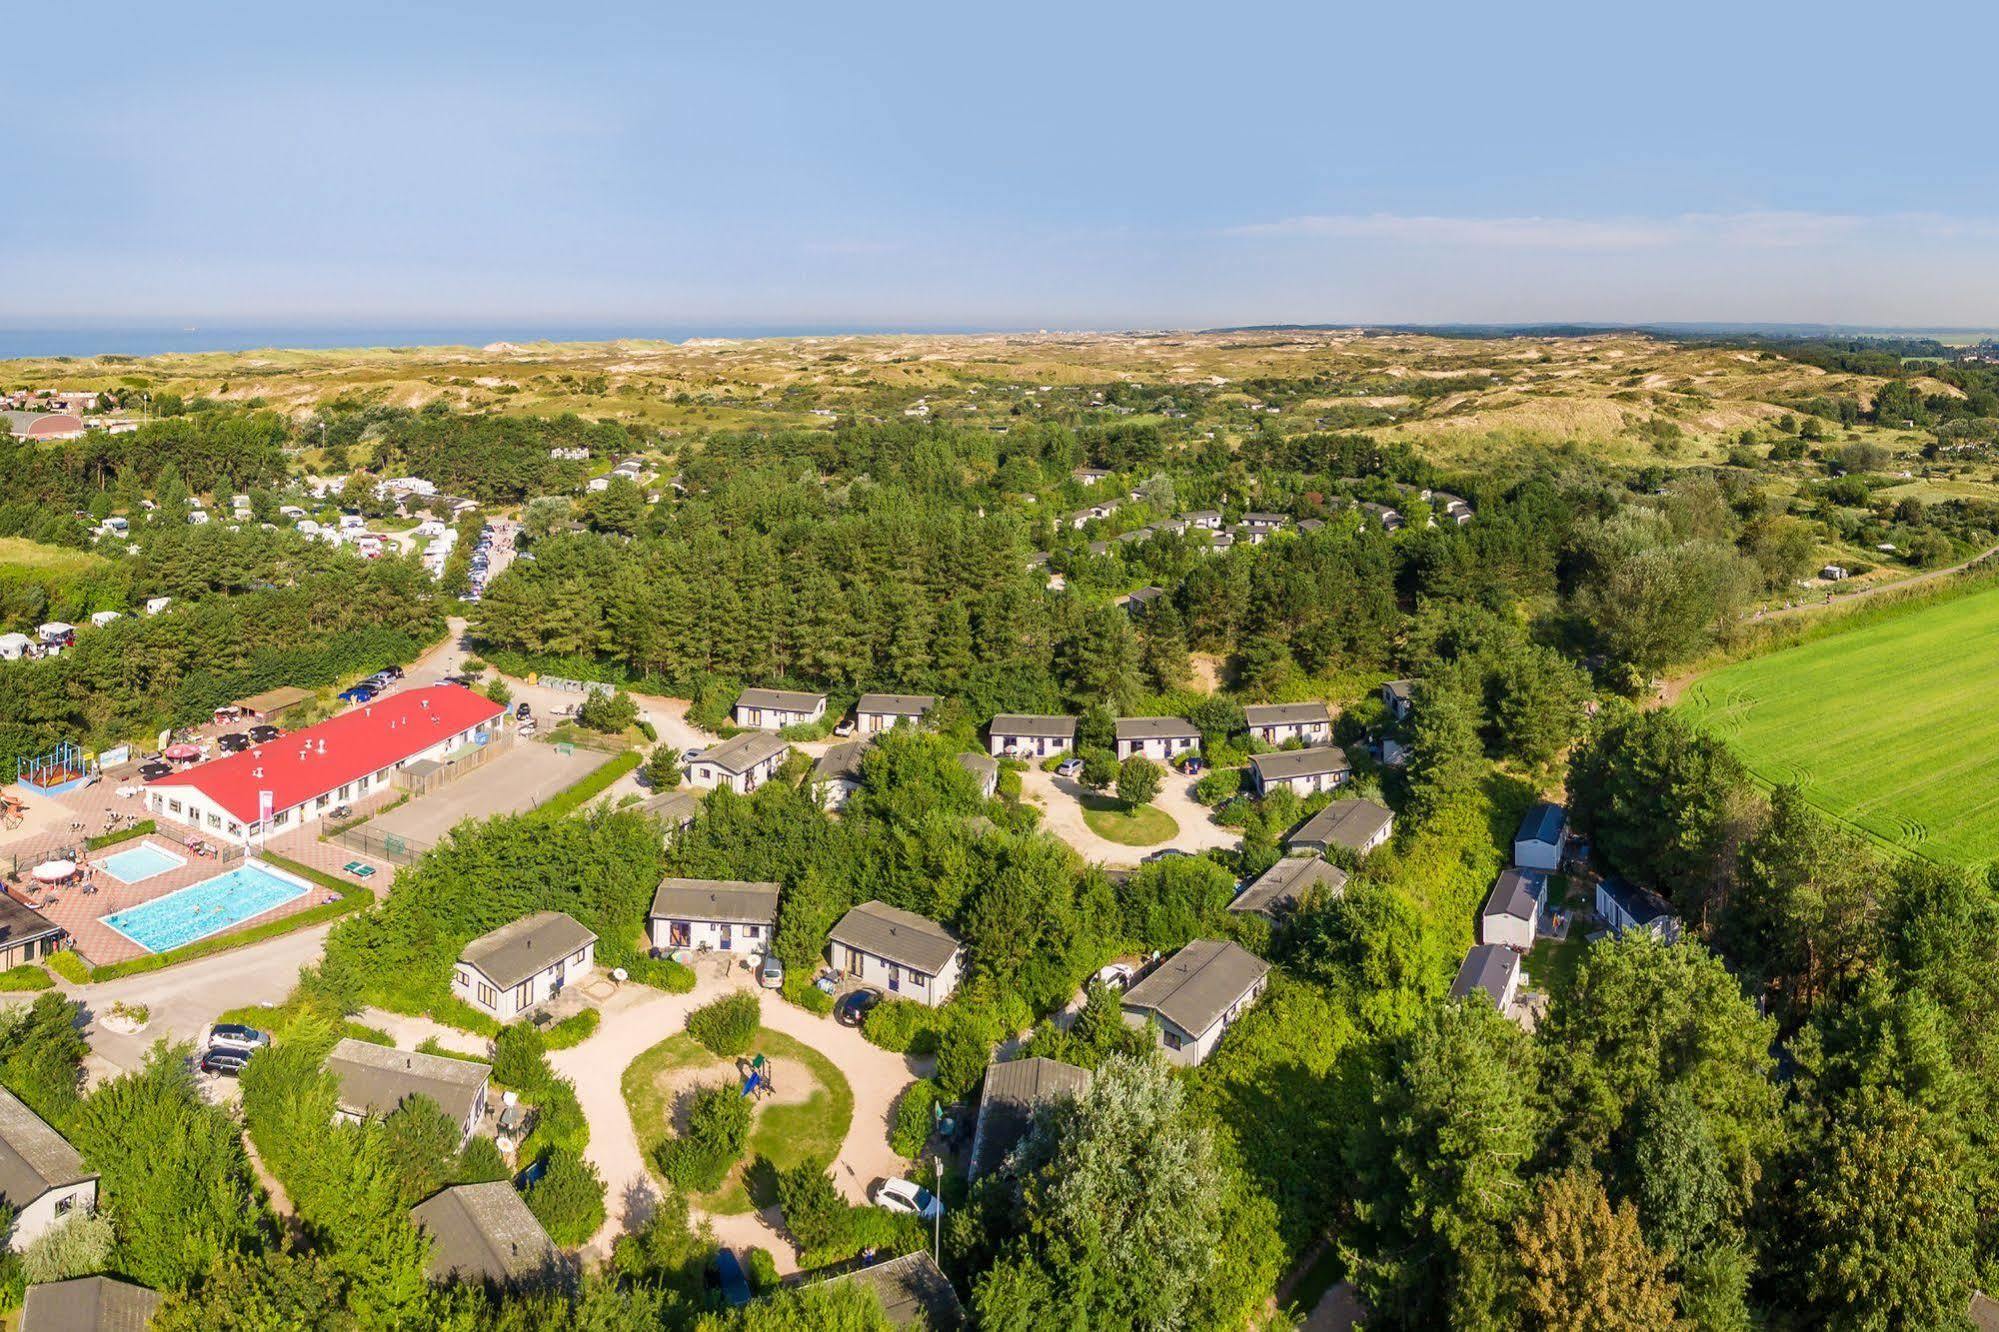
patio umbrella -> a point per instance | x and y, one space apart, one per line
54 871
233 742
263 735
183 753
154 771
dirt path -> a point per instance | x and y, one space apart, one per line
636 1019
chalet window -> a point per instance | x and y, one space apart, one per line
281 818
488 996
1171 1038
578 958
214 820
174 806
345 790
523 994
463 979
752 931
63 1206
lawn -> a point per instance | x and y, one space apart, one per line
787 1131
22 554
1109 819
1888 725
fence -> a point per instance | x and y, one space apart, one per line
388 847
568 686
218 850
423 778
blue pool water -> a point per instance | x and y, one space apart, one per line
140 862
212 905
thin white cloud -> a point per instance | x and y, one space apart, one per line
1754 229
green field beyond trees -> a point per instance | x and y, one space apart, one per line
1891 725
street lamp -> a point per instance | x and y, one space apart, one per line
937 1241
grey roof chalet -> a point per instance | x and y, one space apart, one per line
1145 596
676 809
896 705
1100 548
1202 515
526 947
1266 519
1285 714
732 900
902 937
1543 823
784 700
1515 893
1053 728
1402 691
1156 728
88 1304
375 1079
1310 524
982 766
841 763
1642 905
1136 534
1013 1091
484 1232
34 1158
740 753
1348 823
913 1290
1285 884
1486 970
1285 764
1193 988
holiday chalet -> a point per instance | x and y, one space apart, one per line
296 778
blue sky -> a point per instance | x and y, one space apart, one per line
1030 165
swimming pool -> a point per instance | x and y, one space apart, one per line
140 862
208 907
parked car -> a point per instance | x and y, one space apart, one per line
843 729
902 1195
1191 765
725 1276
224 1062
1069 768
237 1036
358 694
852 1010
523 712
393 672
1117 975
770 973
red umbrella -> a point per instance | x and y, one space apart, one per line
182 753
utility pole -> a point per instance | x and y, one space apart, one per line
937 1240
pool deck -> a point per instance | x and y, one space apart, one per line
78 913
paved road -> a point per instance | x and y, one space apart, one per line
1062 814
637 1018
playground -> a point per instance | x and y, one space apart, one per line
803 1106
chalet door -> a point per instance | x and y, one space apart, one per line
679 934
725 936
855 959
894 978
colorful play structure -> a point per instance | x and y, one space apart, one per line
756 1075
63 768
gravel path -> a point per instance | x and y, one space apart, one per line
637 1018
1062 814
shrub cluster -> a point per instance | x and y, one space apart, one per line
728 1025
718 1127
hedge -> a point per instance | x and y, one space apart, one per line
801 991
455 1012
572 1030
353 897
27 976
915 1116
593 785
139 829
69 966
662 973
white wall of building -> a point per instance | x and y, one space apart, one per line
476 989
898 982
51 1209
719 936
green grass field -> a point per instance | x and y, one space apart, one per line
1111 820
1890 725
34 557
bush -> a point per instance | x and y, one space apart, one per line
915 1115
559 1123
68 966
717 1128
962 1055
904 1026
1217 785
1138 781
761 1269
568 1199
455 1012
78 1247
592 786
728 1025
27 976
800 990
572 1030
518 1056
828 1230
609 713
662 973
139 829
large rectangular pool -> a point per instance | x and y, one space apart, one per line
208 907
141 862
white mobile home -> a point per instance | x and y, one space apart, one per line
775 709
727 915
1161 739
1031 737
1277 723
1190 999
897 951
524 964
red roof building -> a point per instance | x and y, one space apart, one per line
343 758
